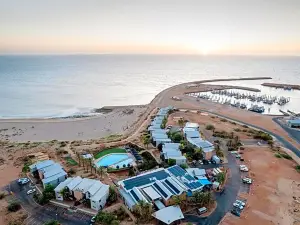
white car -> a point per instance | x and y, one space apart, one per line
23 180
241 203
247 180
237 205
31 191
244 169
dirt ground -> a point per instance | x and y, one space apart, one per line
10 217
274 196
203 119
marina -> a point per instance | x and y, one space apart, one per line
258 102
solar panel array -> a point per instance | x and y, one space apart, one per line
145 179
193 185
171 190
189 177
172 186
160 190
135 195
177 171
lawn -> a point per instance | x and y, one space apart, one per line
109 151
71 161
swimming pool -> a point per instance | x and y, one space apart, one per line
114 159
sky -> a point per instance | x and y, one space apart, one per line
150 26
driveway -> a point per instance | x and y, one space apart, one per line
38 215
225 200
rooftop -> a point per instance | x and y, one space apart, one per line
196 171
151 193
100 193
52 167
192 134
84 185
192 125
74 183
169 214
54 177
171 145
41 164
296 121
95 187
63 184
53 171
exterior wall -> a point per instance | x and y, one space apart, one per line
99 204
41 175
180 161
78 195
209 155
56 182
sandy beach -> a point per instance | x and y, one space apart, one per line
117 122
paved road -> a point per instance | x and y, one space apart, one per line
41 214
293 132
225 200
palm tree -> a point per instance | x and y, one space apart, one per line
181 123
146 140
221 178
100 171
176 199
78 157
91 165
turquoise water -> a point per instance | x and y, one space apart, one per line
126 161
112 159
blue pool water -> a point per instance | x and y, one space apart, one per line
111 159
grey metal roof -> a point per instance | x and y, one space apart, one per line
52 167
169 214
53 172
63 184
74 183
151 193
54 177
100 193
43 164
84 185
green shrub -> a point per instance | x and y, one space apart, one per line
286 156
210 127
223 120
277 155
171 162
184 166
245 126
298 168
237 130
176 137
13 206
51 222
164 123
2 195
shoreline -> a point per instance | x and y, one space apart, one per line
107 109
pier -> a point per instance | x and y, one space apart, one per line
282 86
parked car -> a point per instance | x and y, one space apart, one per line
93 219
205 162
242 159
202 210
241 203
31 191
244 168
235 212
247 180
24 180
238 206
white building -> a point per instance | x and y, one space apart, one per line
79 188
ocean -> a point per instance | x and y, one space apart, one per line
66 85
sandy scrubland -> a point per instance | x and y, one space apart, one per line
275 194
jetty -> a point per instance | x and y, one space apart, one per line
282 86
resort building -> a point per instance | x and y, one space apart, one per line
84 189
196 172
194 126
294 123
49 172
172 151
158 186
